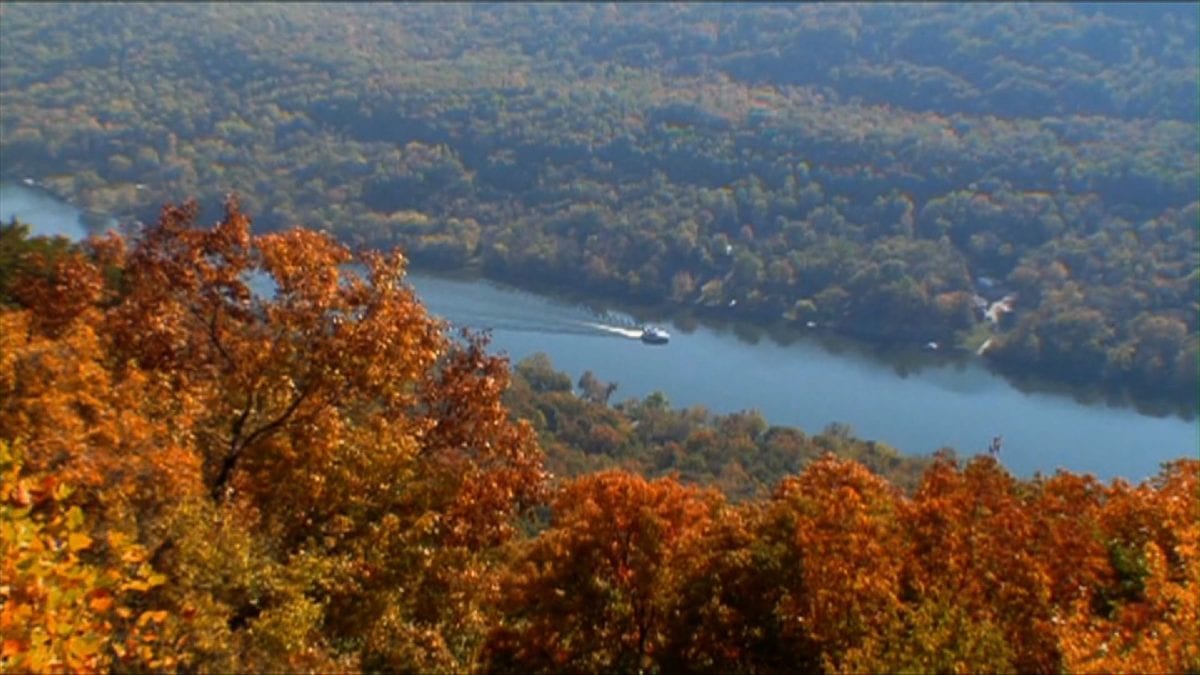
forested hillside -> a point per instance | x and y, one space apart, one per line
888 171
195 477
740 453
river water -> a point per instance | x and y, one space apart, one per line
916 406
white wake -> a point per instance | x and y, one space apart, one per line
617 330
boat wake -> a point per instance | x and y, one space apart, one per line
551 328
464 312
506 311
517 327
617 330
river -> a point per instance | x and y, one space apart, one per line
916 406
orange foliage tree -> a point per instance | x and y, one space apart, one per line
839 571
305 461
1146 618
796 581
594 591
970 534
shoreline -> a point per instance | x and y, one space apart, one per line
886 351
750 328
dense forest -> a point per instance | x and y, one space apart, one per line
197 477
740 453
902 173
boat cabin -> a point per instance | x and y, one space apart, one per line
655 336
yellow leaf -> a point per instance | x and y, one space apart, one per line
152 617
77 541
74 518
62 491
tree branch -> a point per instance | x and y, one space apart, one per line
212 333
238 447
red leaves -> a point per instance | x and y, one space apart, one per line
495 463
59 291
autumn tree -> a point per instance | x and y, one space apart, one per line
305 453
22 256
1146 617
594 591
971 545
730 585
229 452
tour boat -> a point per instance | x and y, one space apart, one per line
655 336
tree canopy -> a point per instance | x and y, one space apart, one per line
202 471
876 169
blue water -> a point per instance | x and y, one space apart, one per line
808 383
48 215
960 405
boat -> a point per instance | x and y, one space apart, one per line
655 336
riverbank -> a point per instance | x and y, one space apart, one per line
916 402
903 356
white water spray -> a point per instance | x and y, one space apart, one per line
617 330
